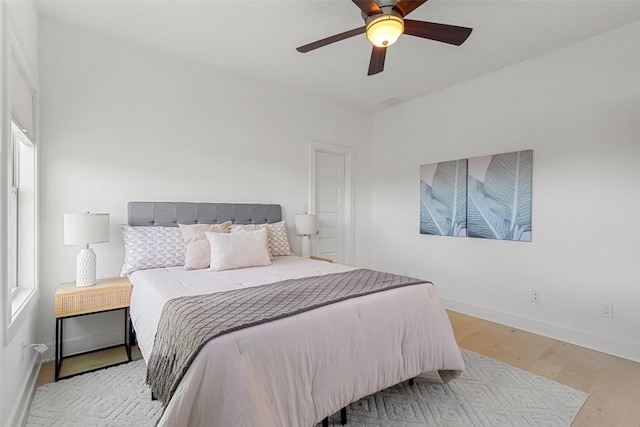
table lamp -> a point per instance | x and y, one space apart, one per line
305 224
84 229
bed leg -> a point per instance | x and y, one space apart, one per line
325 422
153 397
412 381
343 416
447 376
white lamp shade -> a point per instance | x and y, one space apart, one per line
306 224
86 228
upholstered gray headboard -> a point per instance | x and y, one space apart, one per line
170 214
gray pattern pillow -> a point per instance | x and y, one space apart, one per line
278 239
152 247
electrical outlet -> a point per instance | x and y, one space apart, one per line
606 310
535 297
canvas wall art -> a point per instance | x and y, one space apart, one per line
443 198
485 197
499 196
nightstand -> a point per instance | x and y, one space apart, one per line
106 295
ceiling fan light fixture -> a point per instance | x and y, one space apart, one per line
385 30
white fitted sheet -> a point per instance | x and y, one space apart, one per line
297 370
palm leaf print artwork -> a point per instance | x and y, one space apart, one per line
443 198
499 196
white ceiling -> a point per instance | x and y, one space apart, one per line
257 39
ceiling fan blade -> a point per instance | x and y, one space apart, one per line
369 7
440 32
405 7
336 38
376 64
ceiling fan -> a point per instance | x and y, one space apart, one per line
385 22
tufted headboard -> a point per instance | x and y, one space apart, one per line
170 214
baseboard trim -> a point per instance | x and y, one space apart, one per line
20 411
86 343
616 347
93 342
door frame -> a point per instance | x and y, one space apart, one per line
349 206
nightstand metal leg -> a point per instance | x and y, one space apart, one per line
127 333
132 335
59 335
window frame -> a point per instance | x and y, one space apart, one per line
13 209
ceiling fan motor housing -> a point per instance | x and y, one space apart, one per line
386 10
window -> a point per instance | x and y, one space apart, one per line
21 214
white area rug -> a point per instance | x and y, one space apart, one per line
489 393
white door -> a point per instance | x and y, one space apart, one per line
330 205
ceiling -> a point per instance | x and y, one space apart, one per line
257 39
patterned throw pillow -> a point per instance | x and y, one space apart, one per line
152 247
278 237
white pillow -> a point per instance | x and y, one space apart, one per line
152 247
238 250
277 234
241 228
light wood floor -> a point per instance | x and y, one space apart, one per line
613 383
85 362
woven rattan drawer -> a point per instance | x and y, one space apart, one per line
107 294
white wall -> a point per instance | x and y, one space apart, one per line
120 122
578 108
17 373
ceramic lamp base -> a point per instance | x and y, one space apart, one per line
305 247
86 268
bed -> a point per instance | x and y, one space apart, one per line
295 370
